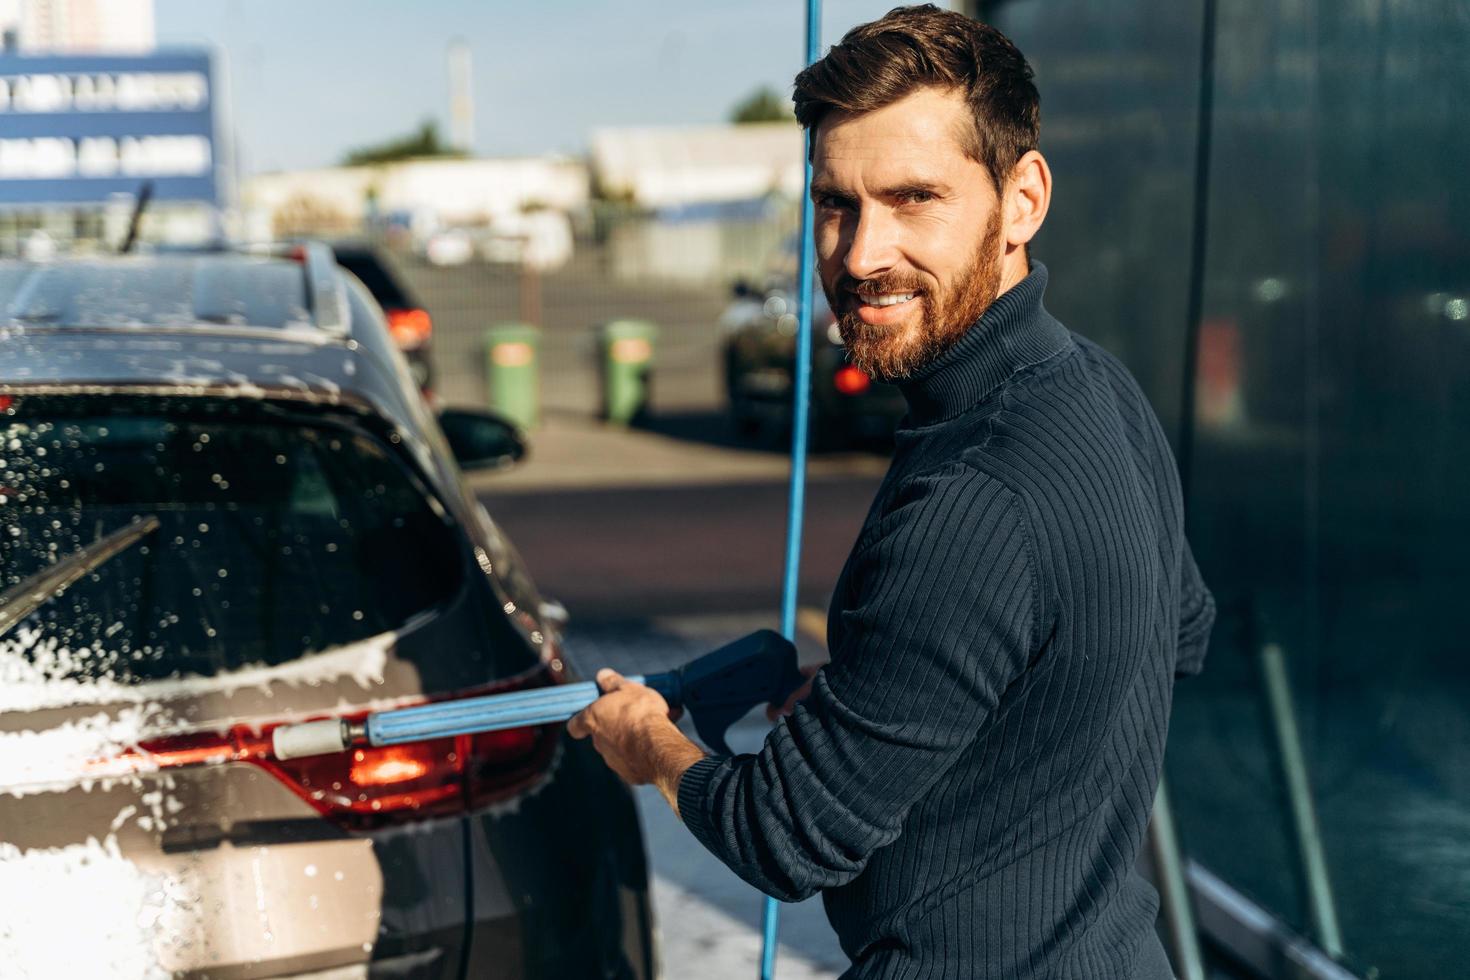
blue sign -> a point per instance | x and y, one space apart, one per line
77 129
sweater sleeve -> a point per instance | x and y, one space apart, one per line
940 617
1196 617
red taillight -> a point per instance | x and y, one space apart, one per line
410 328
5 402
371 787
393 767
368 787
851 381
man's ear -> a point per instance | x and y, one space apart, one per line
1027 198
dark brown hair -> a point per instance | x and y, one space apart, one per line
878 63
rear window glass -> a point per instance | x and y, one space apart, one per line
254 540
156 292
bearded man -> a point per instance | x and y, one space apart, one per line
967 783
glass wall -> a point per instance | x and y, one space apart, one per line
1332 380
1119 105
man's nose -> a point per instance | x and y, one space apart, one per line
872 250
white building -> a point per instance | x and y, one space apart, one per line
455 192
669 166
86 28
77 26
722 198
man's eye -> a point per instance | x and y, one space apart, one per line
832 202
916 197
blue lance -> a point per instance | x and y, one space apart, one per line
717 690
801 412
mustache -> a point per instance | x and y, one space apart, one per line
891 283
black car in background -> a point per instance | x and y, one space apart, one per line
409 323
225 507
758 350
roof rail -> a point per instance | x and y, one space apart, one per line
324 290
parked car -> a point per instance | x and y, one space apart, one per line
227 507
759 360
409 323
450 246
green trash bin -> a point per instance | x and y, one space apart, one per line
626 348
512 373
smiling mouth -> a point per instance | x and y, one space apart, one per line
885 299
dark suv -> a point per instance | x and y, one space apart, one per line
226 506
759 360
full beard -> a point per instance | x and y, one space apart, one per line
892 353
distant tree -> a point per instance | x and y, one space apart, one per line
762 106
423 143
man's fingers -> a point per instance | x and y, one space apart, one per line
608 681
577 726
775 711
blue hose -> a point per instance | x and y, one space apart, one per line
801 411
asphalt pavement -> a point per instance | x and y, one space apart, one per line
568 304
626 552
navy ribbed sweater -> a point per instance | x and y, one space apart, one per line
969 783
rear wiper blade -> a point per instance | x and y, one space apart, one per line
21 599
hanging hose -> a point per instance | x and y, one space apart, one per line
801 394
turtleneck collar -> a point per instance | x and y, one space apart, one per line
1014 332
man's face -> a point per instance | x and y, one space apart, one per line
908 230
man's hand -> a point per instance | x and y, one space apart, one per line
774 711
632 728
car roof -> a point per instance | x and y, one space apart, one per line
297 290
210 323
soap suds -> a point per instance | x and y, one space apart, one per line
37 672
57 757
60 895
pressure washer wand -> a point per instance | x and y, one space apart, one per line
716 689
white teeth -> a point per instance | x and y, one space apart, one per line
889 299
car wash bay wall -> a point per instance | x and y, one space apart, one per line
1318 412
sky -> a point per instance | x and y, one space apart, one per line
307 81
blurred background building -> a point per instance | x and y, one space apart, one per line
77 26
91 114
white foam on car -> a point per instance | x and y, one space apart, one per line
35 675
82 910
38 672
58 757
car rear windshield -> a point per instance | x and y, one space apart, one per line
275 536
